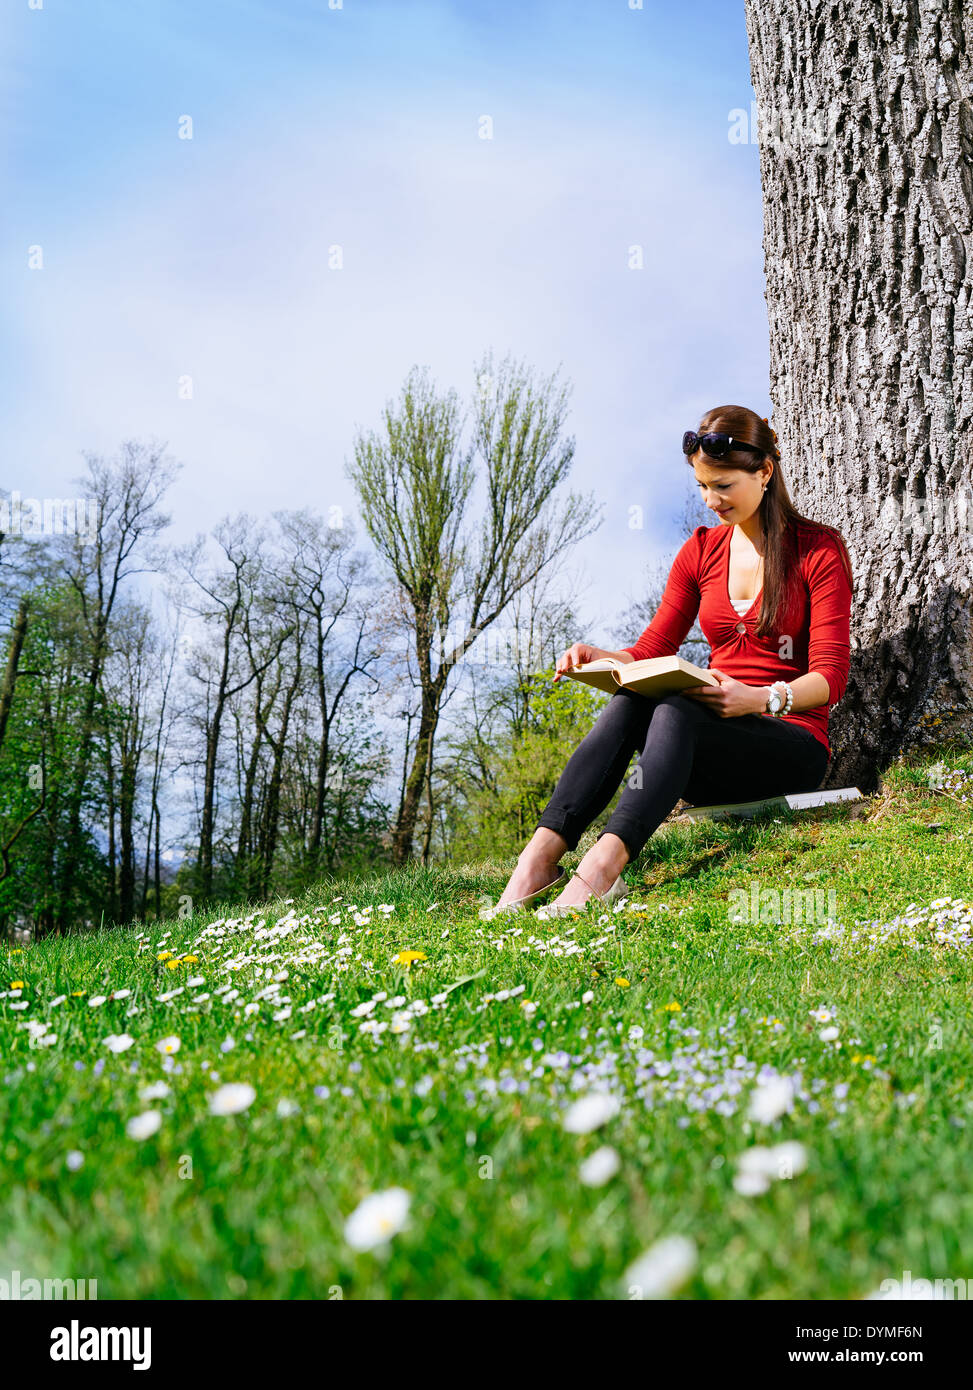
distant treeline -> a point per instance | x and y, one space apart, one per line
236 717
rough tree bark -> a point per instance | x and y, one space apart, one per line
866 161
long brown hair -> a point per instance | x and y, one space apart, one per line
780 518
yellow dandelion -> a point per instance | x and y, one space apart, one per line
78 993
672 1008
622 982
16 984
190 960
164 955
172 965
407 957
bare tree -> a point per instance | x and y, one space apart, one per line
866 147
130 672
162 718
334 595
127 493
225 595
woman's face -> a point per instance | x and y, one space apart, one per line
732 493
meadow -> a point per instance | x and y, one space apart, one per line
373 1093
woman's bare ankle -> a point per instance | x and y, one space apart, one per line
536 867
596 873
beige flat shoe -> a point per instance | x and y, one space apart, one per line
487 914
619 889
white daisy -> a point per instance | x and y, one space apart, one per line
590 1112
771 1099
232 1098
663 1268
157 1091
377 1218
142 1126
751 1184
600 1167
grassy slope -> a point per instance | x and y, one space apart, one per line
463 1108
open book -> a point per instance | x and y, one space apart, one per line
657 675
787 801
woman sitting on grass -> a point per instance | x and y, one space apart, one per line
773 593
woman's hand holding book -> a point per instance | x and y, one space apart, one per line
730 698
580 653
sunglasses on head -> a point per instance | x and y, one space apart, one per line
717 446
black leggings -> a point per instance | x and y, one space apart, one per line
687 751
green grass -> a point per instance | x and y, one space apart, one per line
464 1108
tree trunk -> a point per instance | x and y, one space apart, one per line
76 785
270 826
154 811
245 849
204 857
409 716
324 749
18 633
408 813
158 865
866 150
111 808
127 786
427 837
317 806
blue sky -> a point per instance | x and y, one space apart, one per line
359 127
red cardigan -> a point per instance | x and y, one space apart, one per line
817 624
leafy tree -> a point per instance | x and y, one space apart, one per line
43 740
503 785
415 480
